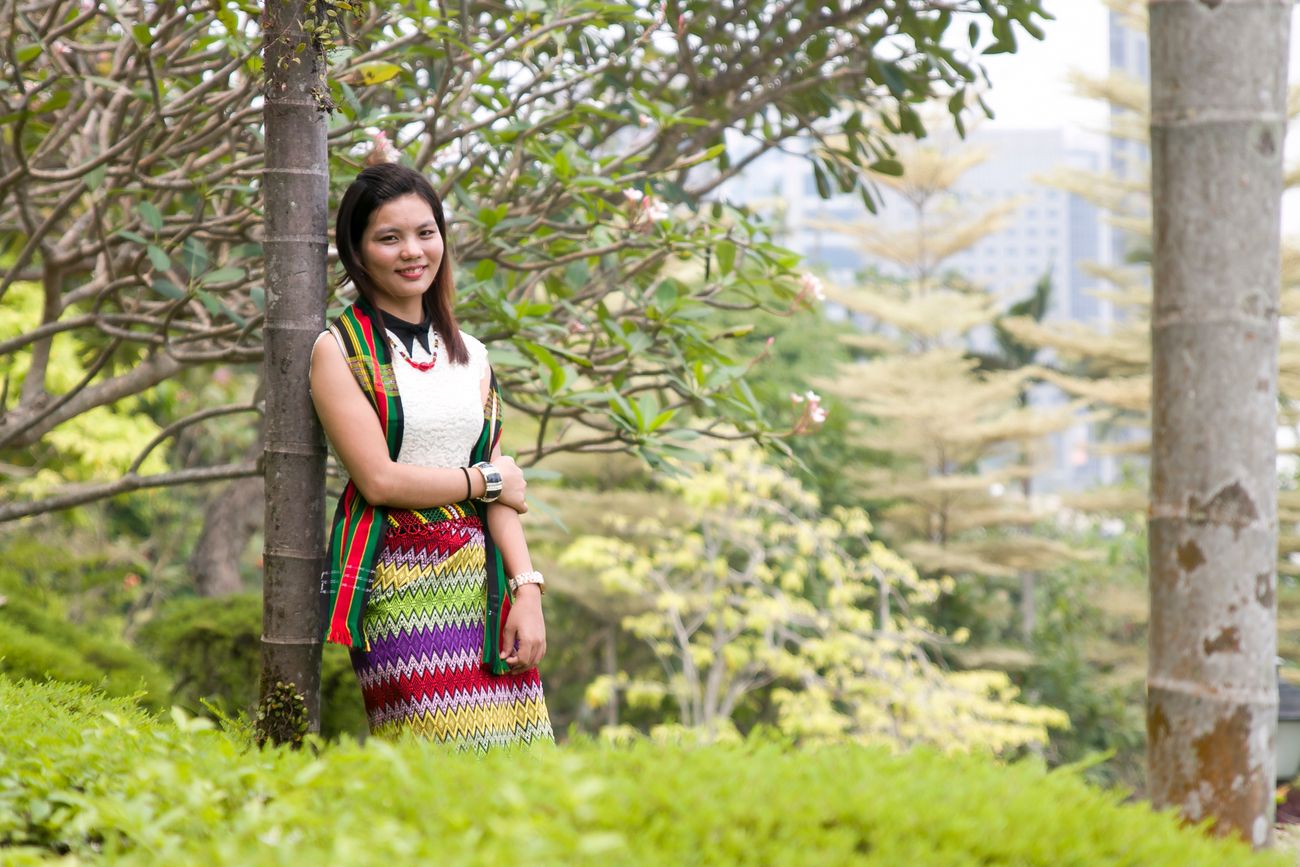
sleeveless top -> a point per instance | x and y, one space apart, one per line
442 407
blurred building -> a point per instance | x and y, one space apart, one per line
1051 233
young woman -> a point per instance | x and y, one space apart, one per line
428 575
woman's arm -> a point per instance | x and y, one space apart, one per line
353 428
525 625
524 642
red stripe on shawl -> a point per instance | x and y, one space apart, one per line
343 604
376 375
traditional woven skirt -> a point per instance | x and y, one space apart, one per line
424 619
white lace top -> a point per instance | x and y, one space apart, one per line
442 408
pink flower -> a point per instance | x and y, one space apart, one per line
813 415
649 208
811 285
383 151
655 210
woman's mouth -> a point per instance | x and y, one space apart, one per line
413 273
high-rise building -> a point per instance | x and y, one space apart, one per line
1051 232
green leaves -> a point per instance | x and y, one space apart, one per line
151 215
377 72
95 779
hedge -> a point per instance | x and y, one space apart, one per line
212 648
100 780
39 641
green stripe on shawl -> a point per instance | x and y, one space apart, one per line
498 594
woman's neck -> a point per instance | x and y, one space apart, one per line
412 312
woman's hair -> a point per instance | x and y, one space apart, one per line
373 187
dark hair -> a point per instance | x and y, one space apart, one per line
373 187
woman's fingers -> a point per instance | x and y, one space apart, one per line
509 640
529 654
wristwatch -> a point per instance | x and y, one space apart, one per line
533 577
491 482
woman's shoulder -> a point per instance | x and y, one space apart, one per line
478 354
473 344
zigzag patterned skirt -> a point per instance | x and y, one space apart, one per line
425 619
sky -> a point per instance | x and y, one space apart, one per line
1031 89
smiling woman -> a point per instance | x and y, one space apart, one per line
445 645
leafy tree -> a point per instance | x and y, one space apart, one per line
760 590
574 143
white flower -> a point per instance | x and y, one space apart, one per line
383 151
810 284
656 210
796 398
633 196
819 415
643 119
813 397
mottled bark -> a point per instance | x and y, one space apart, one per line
1218 101
296 184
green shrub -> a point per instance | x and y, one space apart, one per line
38 641
213 650
100 780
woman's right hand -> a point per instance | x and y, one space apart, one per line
513 485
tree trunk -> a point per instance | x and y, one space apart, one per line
232 519
1218 103
296 183
1028 607
611 671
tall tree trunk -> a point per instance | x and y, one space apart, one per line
1218 102
296 183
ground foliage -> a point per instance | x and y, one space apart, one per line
212 649
100 781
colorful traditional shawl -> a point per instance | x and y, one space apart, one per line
359 527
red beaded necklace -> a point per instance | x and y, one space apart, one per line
421 366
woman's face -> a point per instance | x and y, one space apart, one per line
401 250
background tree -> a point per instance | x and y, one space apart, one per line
1216 148
758 598
958 428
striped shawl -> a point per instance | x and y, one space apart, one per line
358 527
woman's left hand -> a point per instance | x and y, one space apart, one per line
525 630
